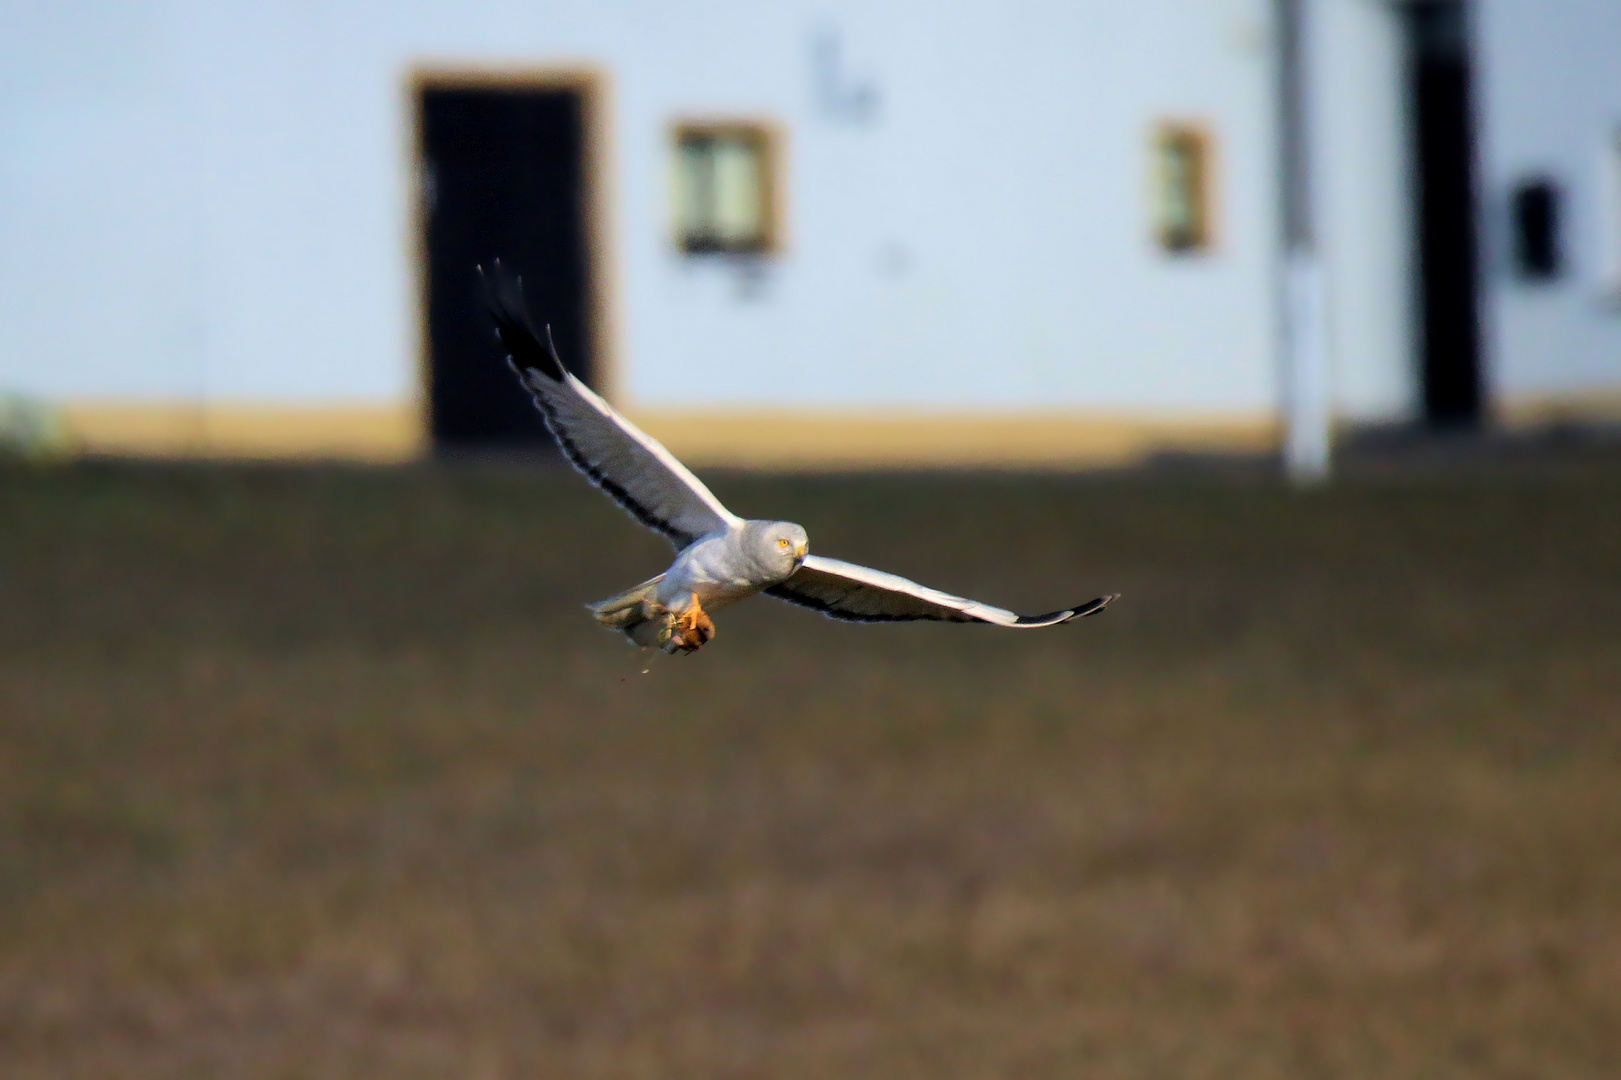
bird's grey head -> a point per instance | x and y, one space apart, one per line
777 546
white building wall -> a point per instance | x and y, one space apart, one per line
99 227
205 199
985 242
200 200
1549 91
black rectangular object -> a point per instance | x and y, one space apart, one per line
504 177
1536 229
1439 82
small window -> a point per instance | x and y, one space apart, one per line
1536 229
1182 188
725 189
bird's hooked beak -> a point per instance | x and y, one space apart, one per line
801 551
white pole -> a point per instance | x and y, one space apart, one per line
1307 385
1307 392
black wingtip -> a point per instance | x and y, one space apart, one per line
1081 611
503 299
1094 607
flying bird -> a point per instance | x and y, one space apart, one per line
721 558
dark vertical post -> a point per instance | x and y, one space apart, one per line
1294 162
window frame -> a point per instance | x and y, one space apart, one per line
1201 238
767 138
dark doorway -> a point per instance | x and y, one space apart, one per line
1438 81
503 177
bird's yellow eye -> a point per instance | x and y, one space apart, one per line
783 543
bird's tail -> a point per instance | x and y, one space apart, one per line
635 611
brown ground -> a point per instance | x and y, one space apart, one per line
329 774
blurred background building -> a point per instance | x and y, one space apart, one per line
788 233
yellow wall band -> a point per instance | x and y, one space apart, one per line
745 439
792 439
377 433
1591 407
773 439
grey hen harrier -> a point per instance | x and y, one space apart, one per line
722 558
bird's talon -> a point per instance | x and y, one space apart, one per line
690 630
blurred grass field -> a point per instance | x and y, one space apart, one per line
327 773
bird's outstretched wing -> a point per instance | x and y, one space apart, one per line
617 456
842 590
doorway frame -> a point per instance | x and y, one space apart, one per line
596 211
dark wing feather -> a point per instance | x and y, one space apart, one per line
632 467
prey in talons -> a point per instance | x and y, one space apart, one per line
690 630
